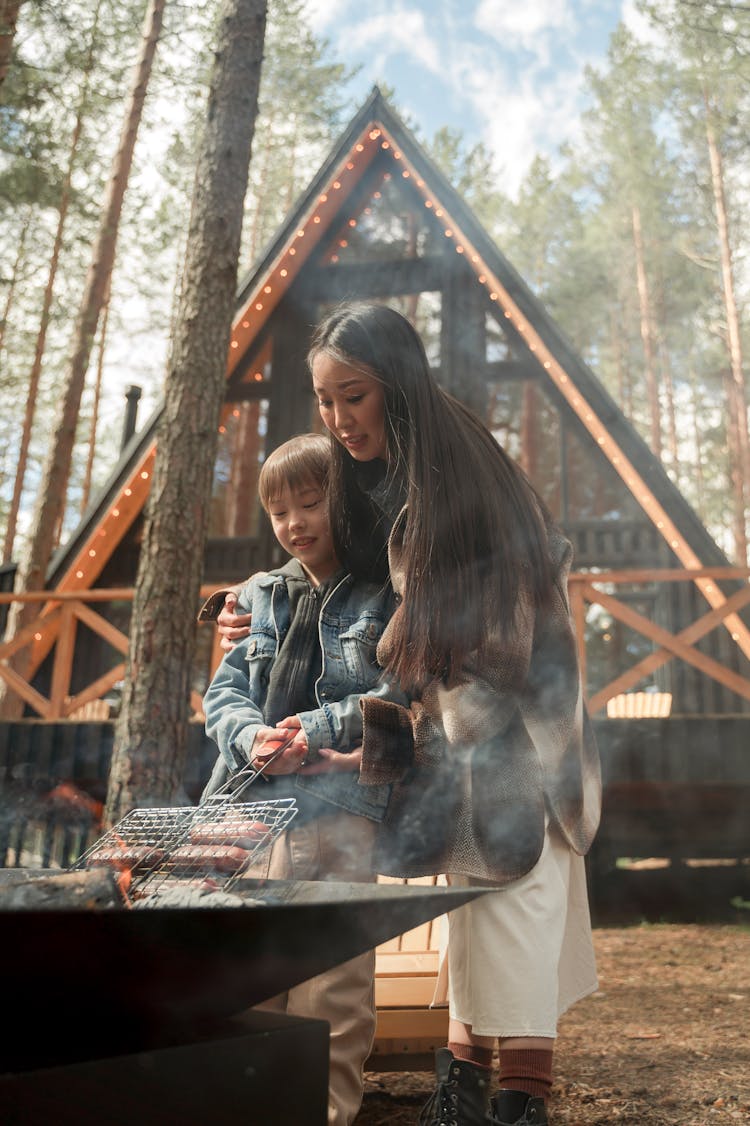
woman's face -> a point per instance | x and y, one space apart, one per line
352 406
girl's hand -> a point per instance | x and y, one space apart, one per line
334 762
268 740
232 627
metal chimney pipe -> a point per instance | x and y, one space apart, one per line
132 395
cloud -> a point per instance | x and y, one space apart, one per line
512 72
520 25
321 14
642 28
519 113
400 29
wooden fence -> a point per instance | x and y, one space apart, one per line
62 611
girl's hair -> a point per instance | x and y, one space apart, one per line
475 535
301 461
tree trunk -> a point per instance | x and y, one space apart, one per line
8 15
621 373
14 278
54 481
736 483
151 732
647 333
88 473
666 374
737 391
254 244
41 338
696 406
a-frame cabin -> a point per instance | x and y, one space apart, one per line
380 221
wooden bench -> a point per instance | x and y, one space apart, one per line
408 1031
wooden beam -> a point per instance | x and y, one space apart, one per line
96 689
667 640
689 636
371 279
62 667
116 638
29 695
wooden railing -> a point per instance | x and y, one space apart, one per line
584 588
63 610
57 626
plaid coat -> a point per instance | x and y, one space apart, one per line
479 768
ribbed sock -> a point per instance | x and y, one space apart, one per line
480 1057
527 1069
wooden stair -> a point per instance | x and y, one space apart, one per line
408 1030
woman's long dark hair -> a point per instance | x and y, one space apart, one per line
474 537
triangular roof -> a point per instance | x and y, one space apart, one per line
373 131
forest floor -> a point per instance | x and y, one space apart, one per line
664 1042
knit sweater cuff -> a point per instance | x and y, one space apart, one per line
388 741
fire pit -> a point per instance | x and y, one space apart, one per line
155 946
133 981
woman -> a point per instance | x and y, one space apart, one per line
496 775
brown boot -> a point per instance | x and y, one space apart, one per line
461 1096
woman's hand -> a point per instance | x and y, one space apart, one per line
231 626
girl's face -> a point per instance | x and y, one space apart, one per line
352 406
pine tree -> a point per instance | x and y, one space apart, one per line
151 732
707 69
51 498
9 10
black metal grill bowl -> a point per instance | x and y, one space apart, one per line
126 978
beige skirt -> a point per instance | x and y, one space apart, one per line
518 957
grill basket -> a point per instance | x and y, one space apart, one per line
210 845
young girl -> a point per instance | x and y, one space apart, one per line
495 772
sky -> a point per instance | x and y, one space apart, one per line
509 73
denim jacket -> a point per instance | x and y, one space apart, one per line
352 619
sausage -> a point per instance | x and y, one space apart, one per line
244 834
124 857
206 857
